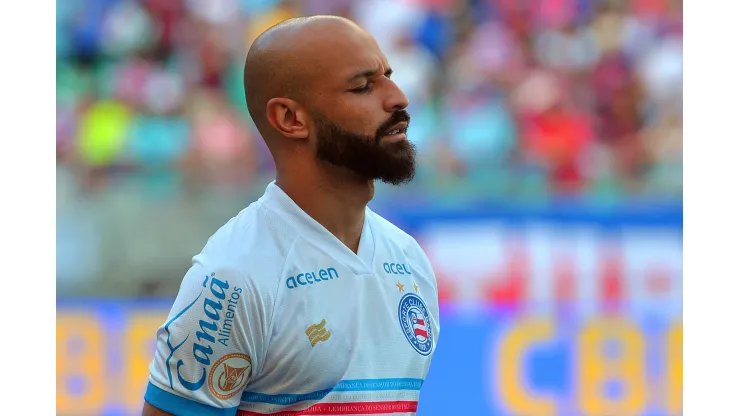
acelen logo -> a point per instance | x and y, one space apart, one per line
309 278
396 268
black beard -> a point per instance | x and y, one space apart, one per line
371 158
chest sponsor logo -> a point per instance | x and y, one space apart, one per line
396 268
310 278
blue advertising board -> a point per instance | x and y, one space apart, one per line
488 361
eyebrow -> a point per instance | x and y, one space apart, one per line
369 73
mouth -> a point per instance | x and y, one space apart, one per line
398 130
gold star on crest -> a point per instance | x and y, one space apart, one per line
416 288
400 286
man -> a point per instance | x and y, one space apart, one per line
307 302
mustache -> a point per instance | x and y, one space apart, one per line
397 117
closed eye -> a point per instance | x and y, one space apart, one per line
363 89
368 75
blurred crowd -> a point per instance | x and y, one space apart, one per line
508 97
520 101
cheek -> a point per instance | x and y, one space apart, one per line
369 128
362 116
360 123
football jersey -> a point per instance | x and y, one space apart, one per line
277 316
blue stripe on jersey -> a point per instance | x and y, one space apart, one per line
180 406
378 384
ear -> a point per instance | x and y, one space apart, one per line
288 118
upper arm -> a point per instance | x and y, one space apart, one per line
211 342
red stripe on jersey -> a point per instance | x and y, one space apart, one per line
357 408
421 332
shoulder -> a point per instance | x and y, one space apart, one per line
389 231
395 239
253 245
399 238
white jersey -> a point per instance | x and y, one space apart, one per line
278 317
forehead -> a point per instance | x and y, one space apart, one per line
342 55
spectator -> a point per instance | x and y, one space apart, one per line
510 100
553 85
222 148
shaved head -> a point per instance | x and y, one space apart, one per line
320 87
280 64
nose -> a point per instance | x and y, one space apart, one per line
396 99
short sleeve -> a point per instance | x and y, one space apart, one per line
211 343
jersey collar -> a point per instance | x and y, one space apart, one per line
278 201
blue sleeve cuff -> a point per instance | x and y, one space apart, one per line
180 406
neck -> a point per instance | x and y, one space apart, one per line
334 200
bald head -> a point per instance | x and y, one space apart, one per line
286 59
